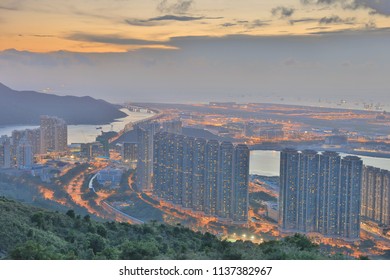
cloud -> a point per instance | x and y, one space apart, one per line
228 24
320 2
257 23
247 24
111 39
140 22
376 6
176 18
11 5
179 7
368 28
47 60
43 35
370 24
160 20
336 20
282 12
294 21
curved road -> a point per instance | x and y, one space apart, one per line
120 213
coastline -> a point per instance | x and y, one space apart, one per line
87 133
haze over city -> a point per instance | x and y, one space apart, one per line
195 130
285 51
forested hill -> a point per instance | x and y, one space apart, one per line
26 107
27 232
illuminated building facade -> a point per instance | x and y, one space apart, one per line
308 191
188 167
53 135
129 152
225 180
320 193
24 154
199 173
328 193
288 196
240 183
144 171
350 197
204 176
211 185
5 152
376 195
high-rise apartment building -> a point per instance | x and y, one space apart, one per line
199 174
376 195
174 126
350 197
188 171
328 193
320 193
177 168
16 137
308 191
240 198
34 138
211 180
289 185
54 134
205 176
24 154
144 172
129 152
225 180
5 152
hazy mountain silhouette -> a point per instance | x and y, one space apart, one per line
26 107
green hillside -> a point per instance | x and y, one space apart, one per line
27 232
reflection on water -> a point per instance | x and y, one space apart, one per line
266 163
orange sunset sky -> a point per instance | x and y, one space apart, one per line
122 25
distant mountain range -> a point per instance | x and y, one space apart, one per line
26 107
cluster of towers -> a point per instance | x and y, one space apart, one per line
19 149
320 192
376 195
205 176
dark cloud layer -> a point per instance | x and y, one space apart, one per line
220 68
179 7
282 12
110 39
162 19
294 21
176 18
140 22
247 24
336 20
376 6
319 2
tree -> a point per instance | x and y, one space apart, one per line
142 250
31 250
71 214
